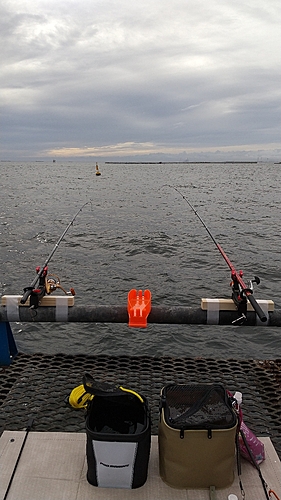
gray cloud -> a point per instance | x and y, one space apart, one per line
178 76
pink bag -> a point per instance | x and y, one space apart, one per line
255 445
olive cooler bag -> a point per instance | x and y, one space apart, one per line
197 436
118 430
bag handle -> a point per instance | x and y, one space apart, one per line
198 404
96 388
105 389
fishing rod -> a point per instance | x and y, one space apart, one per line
240 291
36 294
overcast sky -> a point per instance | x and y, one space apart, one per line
109 78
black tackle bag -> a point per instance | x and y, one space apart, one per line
118 429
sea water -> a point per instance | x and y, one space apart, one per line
137 232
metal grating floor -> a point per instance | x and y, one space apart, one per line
38 385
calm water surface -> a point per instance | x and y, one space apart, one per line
138 232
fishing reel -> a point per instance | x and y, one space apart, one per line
52 283
48 283
239 295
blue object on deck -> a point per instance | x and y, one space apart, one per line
8 348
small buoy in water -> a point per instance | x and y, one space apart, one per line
97 170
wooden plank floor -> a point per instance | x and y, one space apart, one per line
53 467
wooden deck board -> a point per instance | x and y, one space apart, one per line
53 467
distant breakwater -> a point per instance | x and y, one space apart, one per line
176 162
